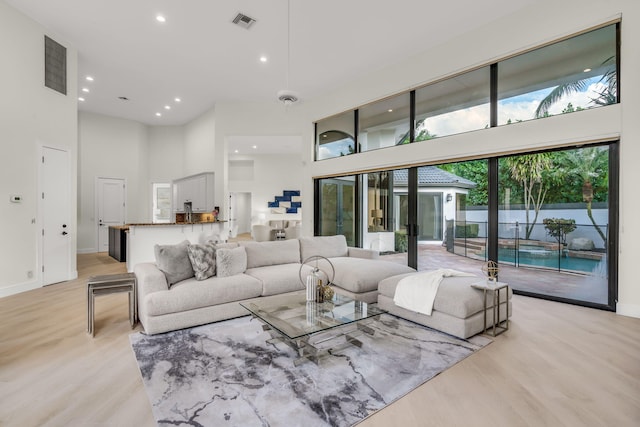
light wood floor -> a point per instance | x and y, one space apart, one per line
559 365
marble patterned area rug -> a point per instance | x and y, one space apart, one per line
226 374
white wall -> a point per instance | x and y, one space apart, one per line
264 119
31 115
271 175
111 148
200 151
166 153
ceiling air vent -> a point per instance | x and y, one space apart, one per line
243 20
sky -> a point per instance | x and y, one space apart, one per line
517 108
520 107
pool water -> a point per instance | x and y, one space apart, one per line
538 257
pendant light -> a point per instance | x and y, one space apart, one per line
286 96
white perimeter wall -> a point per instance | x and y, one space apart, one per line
31 115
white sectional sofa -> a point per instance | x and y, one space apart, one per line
255 270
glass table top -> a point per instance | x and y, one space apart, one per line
294 317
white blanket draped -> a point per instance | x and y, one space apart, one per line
417 292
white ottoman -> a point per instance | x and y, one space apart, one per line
458 308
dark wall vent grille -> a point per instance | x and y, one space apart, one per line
243 20
55 65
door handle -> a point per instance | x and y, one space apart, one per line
412 230
64 233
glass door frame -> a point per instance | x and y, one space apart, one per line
413 231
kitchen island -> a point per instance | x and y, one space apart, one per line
142 238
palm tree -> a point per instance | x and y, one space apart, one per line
607 96
588 164
528 170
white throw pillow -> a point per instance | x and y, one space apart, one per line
230 262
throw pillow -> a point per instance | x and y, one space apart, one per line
203 260
173 261
230 262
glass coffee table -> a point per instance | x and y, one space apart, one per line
314 329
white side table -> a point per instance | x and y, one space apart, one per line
494 288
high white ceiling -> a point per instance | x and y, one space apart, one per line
200 56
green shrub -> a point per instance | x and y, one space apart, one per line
401 244
558 228
467 230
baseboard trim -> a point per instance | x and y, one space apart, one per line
19 288
86 251
630 310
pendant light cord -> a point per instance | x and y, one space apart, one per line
288 40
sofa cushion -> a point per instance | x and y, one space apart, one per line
326 246
230 262
362 275
203 260
191 294
278 279
173 261
260 254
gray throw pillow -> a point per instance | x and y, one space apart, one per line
203 260
230 262
173 261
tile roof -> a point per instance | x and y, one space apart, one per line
432 176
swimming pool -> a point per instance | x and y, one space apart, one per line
536 256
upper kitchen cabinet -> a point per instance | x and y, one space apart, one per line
197 189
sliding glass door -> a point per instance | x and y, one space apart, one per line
337 208
547 218
554 231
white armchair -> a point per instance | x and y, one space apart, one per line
292 231
261 233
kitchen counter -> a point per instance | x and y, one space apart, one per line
142 237
162 224
118 242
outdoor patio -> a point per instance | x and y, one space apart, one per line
574 286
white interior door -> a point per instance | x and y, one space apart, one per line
56 203
110 208
240 212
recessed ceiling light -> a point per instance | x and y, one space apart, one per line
159 114
161 18
89 78
178 100
263 58
254 147
167 107
390 110
236 151
586 70
81 99
85 89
